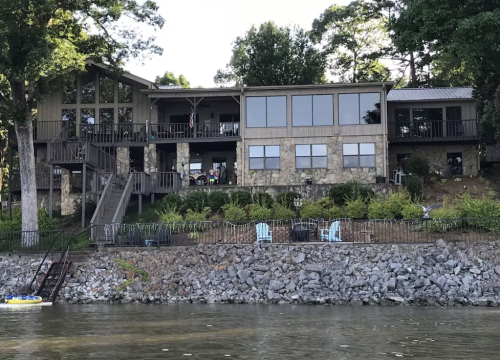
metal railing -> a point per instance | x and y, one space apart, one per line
99 211
440 130
124 199
165 182
113 133
214 130
29 241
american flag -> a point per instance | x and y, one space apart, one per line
191 119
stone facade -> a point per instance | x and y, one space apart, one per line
183 162
68 206
41 155
239 162
43 200
334 174
123 156
150 158
437 155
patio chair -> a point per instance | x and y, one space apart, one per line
331 234
263 232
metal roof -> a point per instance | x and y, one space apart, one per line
430 94
169 87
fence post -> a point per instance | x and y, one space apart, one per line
221 231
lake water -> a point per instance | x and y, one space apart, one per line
248 332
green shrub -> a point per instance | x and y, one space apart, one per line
336 212
287 198
486 207
197 201
411 212
396 202
379 209
263 199
341 193
417 165
446 212
172 201
192 216
283 213
44 221
259 213
313 211
217 199
234 213
355 208
413 185
169 216
241 198
325 203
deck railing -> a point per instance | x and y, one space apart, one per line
141 183
165 182
434 131
213 130
42 174
113 133
73 152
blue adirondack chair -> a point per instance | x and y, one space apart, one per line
331 234
263 233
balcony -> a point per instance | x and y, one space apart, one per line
199 132
42 174
434 131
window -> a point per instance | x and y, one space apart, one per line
266 111
402 115
454 126
106 116
454 163
106 89
125 93
428 123
125 115
312 110
88 89
356 109
195 166
69 121
69 95
88 116
264 157
311 156
359 155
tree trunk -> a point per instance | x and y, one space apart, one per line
413 73
2 165
354 68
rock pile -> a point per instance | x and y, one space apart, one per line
437 274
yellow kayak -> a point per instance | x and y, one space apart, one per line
12 299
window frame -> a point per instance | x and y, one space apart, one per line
359 108
311 156
312 96
266 111
358 156
264 157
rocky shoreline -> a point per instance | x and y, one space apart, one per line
443 274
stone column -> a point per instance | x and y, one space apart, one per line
67 203
183 162
150 159
123 156
239 162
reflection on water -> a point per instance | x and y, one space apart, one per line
248 332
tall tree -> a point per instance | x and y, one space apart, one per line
272 55
353 36
169 78
44 43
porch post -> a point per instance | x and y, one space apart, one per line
9 200
140 204
51 190
195 125
84 195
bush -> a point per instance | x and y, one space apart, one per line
417 165
241 198
234 213
169 216
413 185
172 201
287 198
313 211
486 207
379 209
411 212
341 193
263 199
44 221
396 202
217 199
336 213
355 209
192 216
283 213
259 213
197 201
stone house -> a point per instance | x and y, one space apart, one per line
160 139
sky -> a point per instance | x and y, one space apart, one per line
198 34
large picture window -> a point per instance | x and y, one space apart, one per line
106 89
359 109
88 89
359 155
311 156
267 111
264 157
69 121
312 110
125 93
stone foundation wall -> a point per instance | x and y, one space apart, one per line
309 192
43 200
431 274
123 156
334 174
437 155
183 162
150 158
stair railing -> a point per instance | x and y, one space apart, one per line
122 205
99 211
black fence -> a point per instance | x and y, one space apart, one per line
295 231
31 241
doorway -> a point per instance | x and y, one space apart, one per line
221 163
454 163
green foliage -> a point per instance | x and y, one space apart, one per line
272 55
417 165
234 213
197 200
313 211
355 208
414 186
259 213
485 207
217 199
282 213
125 266
336 212
411 212
172 201
286 199
397 201
192 216
241 198
378 209
169 216
263 199
44 221
341 193
169 78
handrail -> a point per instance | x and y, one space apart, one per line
99 211
122 205
67 247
